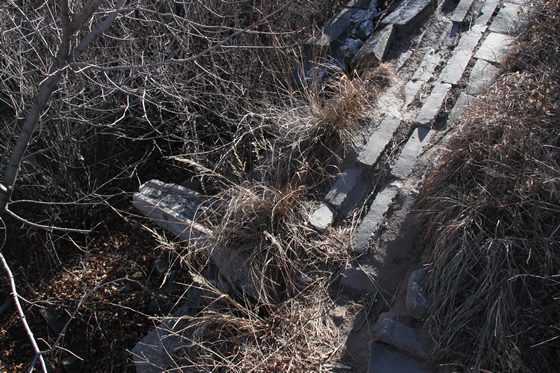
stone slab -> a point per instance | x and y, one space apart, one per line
510 20
335 29
378 141
343 187
410 91
458 62
432 106
410 153
429 63
385 360
372 221
495 48
483 74
322 218
461 11
463 101
153 354
409 13
375 48
357 280
172 207
417 305
176 209
405 339
486 12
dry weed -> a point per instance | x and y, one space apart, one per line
492 216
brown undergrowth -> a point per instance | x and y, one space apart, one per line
491 209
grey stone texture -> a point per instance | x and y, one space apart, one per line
405 339
176 209
343 186
335 29
456 65
375 48
463 101
421 76
355 280
172 207
486 12
417 304
461 11
409 13
432 106
322 218
153 354
407 159
385 360
378 141
495 47
511 19
483 74
372 221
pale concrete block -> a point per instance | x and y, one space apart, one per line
482 76
410 153
511 19
378 141
461 11
432 106
372 221
495 48
322 218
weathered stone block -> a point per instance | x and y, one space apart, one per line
417 304
483 74
357 280
372 221
153 354
374 49
335 29
343 187
495 47
486 12
407 159
432 106
386 360
378 141
461 11
409 13
322 218
456 65
462 103
408 340
511 19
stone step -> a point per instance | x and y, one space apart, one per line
411 342
461 11
462 54
483 74
378 141
372 221
432 106
510 20
495 47
409 13
383 359
417 304
486 12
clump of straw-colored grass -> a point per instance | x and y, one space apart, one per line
491 209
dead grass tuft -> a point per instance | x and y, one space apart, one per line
492 215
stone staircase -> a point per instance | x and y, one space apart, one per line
457 55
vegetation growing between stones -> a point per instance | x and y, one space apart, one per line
492 215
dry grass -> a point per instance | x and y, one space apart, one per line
295 335
492 215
